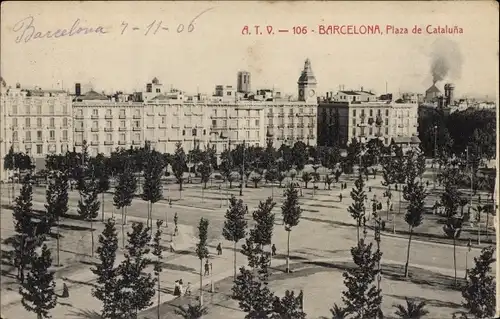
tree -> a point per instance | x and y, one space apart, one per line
262 232
291 212
306 178
124 193
38 292
479 293
290 306
362 298
299 155
414 193
88 205
338 312
179 164
57 203
328 181
235 224
158 253
152 190
106 272
26 239
202 250
135 287
191 311
452 229
412 309
256 178
205 170
102 171
357 208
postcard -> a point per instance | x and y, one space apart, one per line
249 159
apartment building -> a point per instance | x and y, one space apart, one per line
35 121
360 115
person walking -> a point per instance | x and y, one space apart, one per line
340 197
273 250
207 268
219 249
188 290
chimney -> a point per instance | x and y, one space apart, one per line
78 89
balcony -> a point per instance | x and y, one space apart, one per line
95 129
163 139
94 117
94 143
136 142
108 142
136 128
79 117
108 116
121 129
122 142
108 129
150 126
79 129
64 139
137 116
78 143
122 116
163 126
175 125
270 125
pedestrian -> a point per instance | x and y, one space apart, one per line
188 290
207 268
427 183
180 287
273 250
177 290
479 198
340 198
65 293
176 231
369 189
246 209
172 247
219 249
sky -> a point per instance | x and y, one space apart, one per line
216 50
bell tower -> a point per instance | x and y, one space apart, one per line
307 84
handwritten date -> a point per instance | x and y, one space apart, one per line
26 29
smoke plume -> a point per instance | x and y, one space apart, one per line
446 60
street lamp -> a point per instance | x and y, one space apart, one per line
242 169
435 155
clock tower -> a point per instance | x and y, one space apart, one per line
307 84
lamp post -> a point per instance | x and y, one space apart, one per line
469 245
242 169
435 155
223 137
212 290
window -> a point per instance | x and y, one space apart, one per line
354 122
27 109
95 124
65 111
204 132
108 137
137 123
371 131
122 137
122 112
258 134
38 122
14 109
52 122
27 136
214 123
163 120
79 137
65 122
95 112
51 109
248 123
225 123
157 90
354 131
353 112
215 112
79 124
193 132
80 112
371 112
137 112
95 137
122 123
386 121
386 131
52 135
248 134
229 93
183 132
38 135
38 109
109 112
14 136
137 137
257 123
39 149
27 122
386 112
14 122
65 134
248 112
108 124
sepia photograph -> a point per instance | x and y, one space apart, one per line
249 159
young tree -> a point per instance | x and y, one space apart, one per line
362 298
328 181
136 288
26 239
102 172
306 178
179 165
262 232
124 193
152 190
338 312
299 155
158 253
357 208
414 193
291 212
88 205
235 224
57 203
205 170
412 309
290 306
256 178
202 251
38 292
453 229
479 293
106 272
